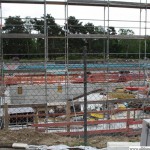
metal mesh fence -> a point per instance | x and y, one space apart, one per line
48 89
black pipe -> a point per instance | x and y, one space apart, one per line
85 93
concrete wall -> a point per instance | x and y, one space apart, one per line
37 93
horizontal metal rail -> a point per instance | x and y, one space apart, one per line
75 36
77 113
96 132
89 102
61 124
126 130
84 3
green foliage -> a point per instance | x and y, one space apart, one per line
14 47
35 48
14 25
53 29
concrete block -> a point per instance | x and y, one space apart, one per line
20 145
121 145
145 135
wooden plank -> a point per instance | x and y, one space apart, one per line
6 116
25 105
133 133
128 118
132 122
68 111
36 118
72 114
61 124
93 132
89 102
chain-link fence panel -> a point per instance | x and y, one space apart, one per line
75 80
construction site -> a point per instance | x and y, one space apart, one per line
87 80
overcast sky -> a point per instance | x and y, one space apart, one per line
129 18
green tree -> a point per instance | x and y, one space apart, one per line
89 29
95 45
113 43
99 45
14 25
53 29
74 26
13 47
112 31
127 46
125 32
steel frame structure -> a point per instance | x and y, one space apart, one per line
106 4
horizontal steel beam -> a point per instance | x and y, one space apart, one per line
102 36
34 2
62 124
85 3
108 3
81 36
25 71
21 35
75 102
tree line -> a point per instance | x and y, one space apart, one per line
29 48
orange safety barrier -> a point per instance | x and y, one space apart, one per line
126 130
75 78
8 80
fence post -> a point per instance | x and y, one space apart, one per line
68 111
36 118
85 93
127 125
6 116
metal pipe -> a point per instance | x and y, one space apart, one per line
46 59
85 93
140 33
104 42
82 3
145 41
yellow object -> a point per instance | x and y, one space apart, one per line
96 115
59 88
19 90
121 106
91 119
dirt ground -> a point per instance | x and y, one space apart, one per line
32 137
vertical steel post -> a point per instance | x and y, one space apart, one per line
108 38
145 41
66 67
1 50
85 93
1 71
45 61
104 40
140 25
107 58
0 32
66 51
